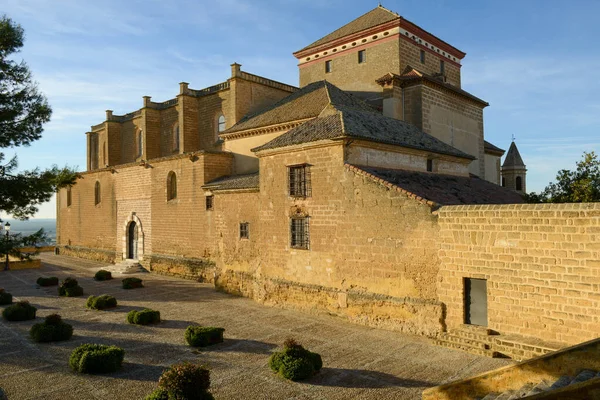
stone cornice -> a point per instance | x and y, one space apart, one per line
262 130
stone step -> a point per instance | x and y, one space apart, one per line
465 334
127 267
561 382
468 349
490 396
480 330
506 395
543 386
463 341
522 392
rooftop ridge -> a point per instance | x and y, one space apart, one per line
266 81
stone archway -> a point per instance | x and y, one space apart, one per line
133 238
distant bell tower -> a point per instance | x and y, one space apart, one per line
514 171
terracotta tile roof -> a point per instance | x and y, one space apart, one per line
490 148
361 123
303 104
233 182
513 158
377 16
438 189
411 75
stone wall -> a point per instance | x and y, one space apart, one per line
410 54
541 262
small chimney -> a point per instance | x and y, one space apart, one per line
147 100
183 87
236 69
109 115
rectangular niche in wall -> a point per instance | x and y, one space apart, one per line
475 301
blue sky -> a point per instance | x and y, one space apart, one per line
535 62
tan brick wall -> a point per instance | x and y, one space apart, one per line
129 130
542 263
410 54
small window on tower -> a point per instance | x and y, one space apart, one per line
328 66
430 165
442 67
244 230
519 183
209 202
362 56
422 56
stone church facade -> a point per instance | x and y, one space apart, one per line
337 196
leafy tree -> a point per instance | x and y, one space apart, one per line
579 186
23 111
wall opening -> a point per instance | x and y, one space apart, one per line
132 241
519 183
475 291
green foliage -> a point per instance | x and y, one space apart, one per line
23 112
579 186
53 329
70 288
294 362
132 283
21 311
201 336
144 317
5 298
158 394
101 302
52 281
186 381
96 358
103 275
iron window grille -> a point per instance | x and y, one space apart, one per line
244 230
299 181
299 233
209 202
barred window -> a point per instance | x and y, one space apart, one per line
209 202
244 230
97 195
299 235
299 180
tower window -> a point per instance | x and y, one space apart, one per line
69 198
210 202
429 165
97 194
299 234
175 137
171 186
221 123
422 56
299 181
442 67
244 230
328 66
140 143
362 56
519 183
503 182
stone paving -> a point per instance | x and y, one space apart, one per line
359 362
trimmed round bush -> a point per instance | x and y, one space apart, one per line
101 302
132 283
53 329
201 336
103 275
294 362
144 317
70 288
52 281
5 297
185 381
96 358
21 311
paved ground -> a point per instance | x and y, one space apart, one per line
359 362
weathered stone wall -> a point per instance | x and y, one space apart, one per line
541 262
410 54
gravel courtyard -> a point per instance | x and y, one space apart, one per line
359 362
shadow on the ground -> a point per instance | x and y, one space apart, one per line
139 372
242 346
357 378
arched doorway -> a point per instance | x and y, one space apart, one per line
132 241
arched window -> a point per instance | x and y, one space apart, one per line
221 123
176 137
519 183
140 144
171 186
97 195
69 196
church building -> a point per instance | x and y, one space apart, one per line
319 197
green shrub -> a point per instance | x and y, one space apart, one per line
96 358
201 336
158 394
53 329
70 288
5 298
21 311
294 362
103 275
52 281
186 381
101 302
144 317
132 283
